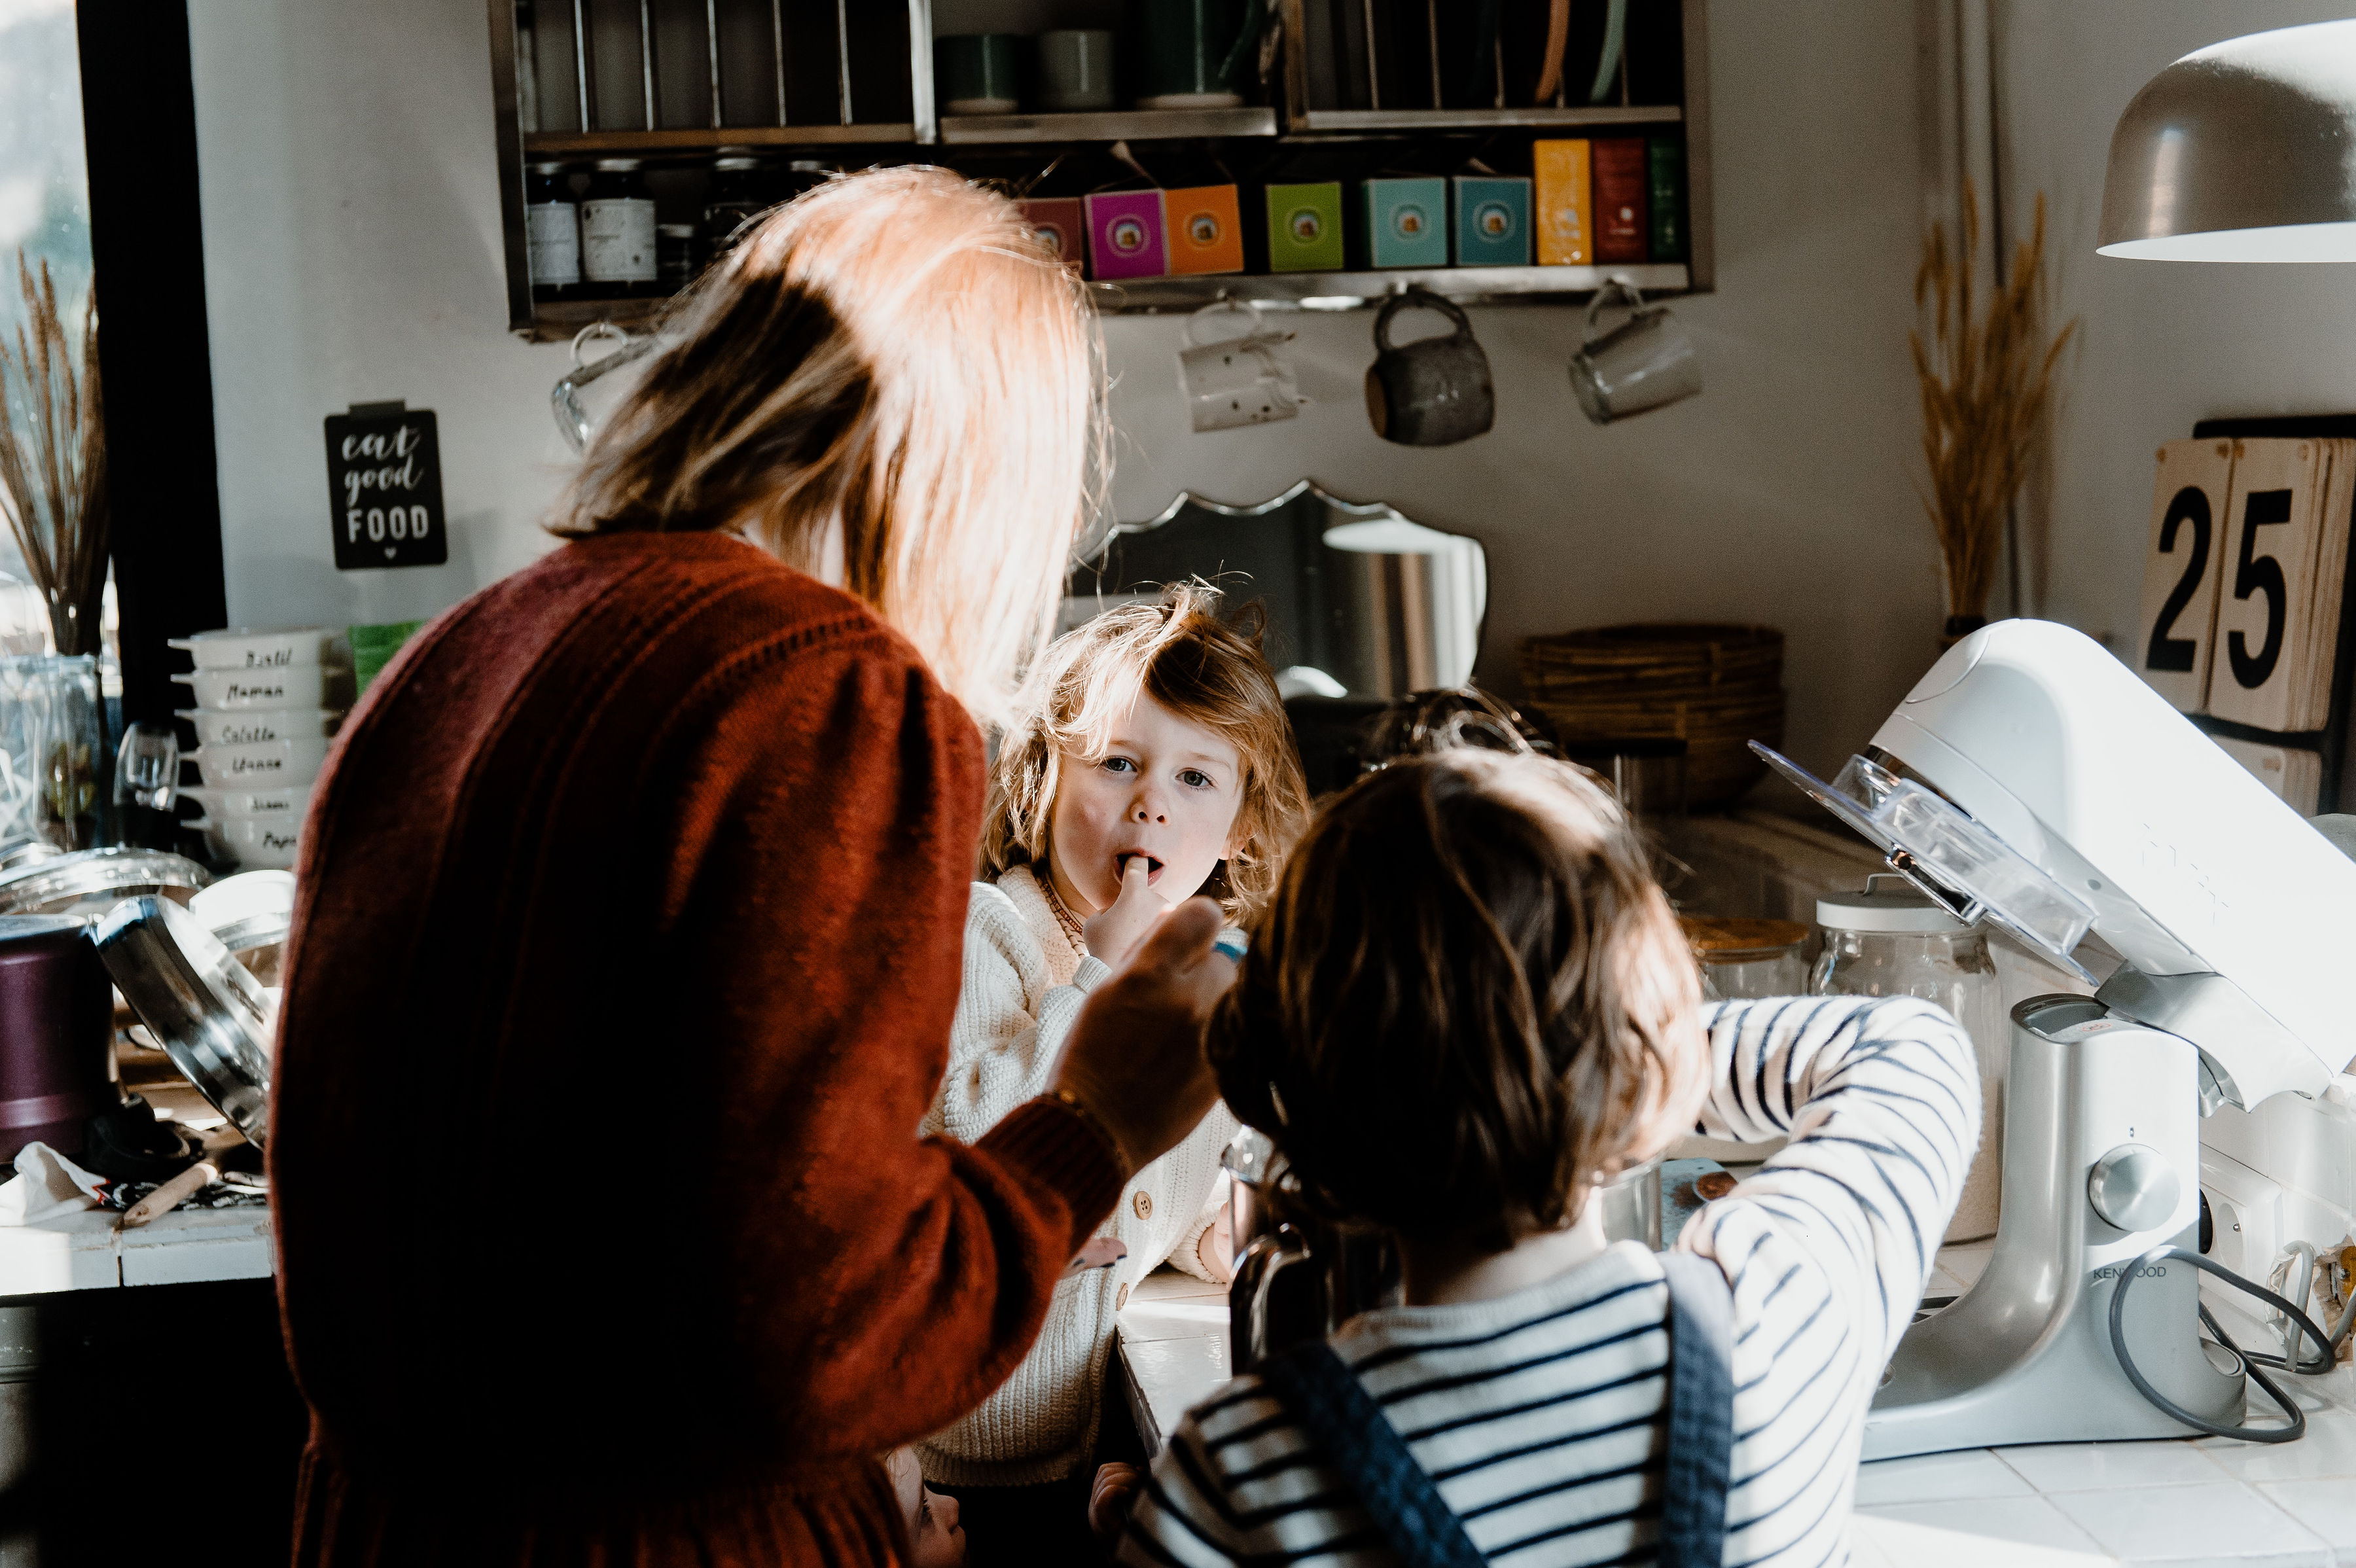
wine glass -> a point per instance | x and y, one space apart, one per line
148 770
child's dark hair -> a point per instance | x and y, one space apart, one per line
1455 1010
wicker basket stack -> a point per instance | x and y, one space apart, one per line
1719 687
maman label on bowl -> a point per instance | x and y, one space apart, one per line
243 691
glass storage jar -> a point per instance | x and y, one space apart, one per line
1891 940
618 232
1743 959
551 220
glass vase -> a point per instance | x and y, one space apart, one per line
52 749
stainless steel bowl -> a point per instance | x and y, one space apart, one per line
90 881
211 1015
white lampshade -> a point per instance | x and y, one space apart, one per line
2245 151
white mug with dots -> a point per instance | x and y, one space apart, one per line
1234 382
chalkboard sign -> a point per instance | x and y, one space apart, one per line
384 485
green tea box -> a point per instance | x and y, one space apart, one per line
1304 228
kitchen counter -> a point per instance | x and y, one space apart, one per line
88 1251
2180 1502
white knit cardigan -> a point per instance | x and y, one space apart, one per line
1024 981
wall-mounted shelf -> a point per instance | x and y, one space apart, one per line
1350 291
557 320
1316 120
1113 126
1288 137
612 143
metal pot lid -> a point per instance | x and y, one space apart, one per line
211 1015
55 886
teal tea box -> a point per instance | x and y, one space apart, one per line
1407 222
1492 220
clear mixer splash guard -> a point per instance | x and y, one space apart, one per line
1952 858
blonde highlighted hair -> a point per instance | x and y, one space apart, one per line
893 349
1178 651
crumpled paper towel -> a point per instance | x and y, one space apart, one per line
46 1185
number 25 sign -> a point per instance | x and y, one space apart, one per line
384 484
2241 582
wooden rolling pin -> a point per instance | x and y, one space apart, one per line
171 1195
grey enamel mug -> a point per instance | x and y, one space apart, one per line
1643 362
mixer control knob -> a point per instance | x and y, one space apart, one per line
2134 1188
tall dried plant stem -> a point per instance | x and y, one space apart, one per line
53 471
1985 380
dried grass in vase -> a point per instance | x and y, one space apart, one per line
1985 380
53 471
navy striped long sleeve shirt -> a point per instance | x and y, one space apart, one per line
1540 1413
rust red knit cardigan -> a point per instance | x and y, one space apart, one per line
622 975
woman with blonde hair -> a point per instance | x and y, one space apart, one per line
630 905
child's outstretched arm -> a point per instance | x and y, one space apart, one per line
1828 1244
1010 1020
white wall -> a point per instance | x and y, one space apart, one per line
2165 343
352 254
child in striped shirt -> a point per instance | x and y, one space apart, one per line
1466 1006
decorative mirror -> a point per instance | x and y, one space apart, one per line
1361 600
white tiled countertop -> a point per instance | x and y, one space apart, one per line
2185 1503
89 1250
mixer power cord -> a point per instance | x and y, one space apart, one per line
2254 1363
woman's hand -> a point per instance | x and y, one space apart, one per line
1110 1498
1135 1055
1112 934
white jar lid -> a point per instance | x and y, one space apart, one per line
1889 904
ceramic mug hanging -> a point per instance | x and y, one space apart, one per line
1235 381
1434 392
1643 362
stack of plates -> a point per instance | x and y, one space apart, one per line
263 724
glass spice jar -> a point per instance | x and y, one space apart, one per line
1744 959
1891 941
618 231
552 222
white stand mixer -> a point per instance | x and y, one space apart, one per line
2031 781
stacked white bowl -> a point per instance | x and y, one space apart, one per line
263 722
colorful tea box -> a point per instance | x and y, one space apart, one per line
1304 228
1059 225
1125 239
1407 222
1566 203
1202 226
1621 226
1492 220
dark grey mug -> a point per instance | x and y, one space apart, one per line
1434 392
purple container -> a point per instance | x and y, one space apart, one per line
57 1033
1125 238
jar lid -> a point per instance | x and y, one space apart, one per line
1889 904
547 168
1714 940
618 166
676 231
